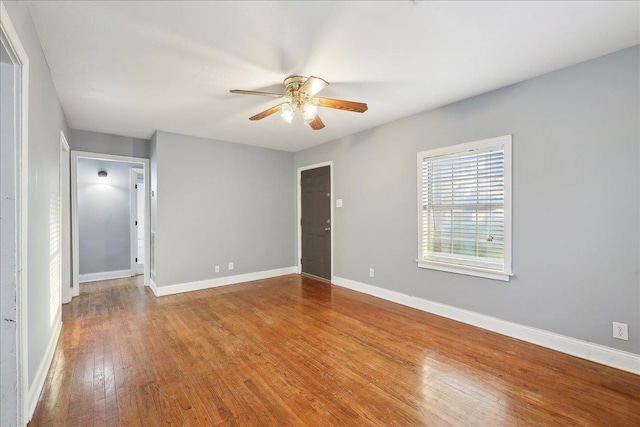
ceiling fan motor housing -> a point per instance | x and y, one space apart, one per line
292 85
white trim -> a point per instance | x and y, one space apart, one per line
105 275
583 349
465 269
508 208
65 222
38 382
14 45
64 142
456 149
75 155
160 291
154 287
299 198
147 223
75 241
153 256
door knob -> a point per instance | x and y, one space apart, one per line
327 229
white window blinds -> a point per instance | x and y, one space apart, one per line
463 206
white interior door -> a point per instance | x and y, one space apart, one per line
138 223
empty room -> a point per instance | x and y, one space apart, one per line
320 213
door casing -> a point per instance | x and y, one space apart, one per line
20 60
299 198
65 220
75 155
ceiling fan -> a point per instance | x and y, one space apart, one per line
300 96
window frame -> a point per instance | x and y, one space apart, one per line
504 142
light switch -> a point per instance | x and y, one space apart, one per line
339 203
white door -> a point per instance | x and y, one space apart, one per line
138 225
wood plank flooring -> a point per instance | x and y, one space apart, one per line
293 351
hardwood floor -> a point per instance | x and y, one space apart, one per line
293 351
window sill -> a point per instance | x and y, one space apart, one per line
468 270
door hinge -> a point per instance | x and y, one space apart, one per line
136 186
136 259
136 222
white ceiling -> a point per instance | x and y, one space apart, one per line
129 68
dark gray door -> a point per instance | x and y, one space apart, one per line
316 222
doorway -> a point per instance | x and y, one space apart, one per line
315 237
102 204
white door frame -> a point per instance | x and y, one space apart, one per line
133 216
65 220
13 45
333 225
75 156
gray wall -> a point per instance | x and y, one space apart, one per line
218 202
96 142
104 216
46 120
575 201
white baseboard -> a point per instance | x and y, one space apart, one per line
583 349
160 291
38 382
104 275
153 286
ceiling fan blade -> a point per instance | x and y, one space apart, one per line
313 85
357 107
316 124
253 92
267 113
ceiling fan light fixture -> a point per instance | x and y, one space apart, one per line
300 94
287 112
310 112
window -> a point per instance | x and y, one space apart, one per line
464 208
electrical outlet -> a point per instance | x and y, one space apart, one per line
230 266
621 331
371 272
217 269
